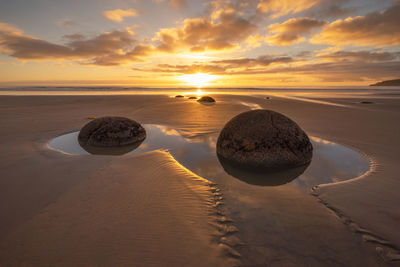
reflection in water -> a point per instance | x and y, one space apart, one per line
331 162
262 176
68 144
205 103
115 151
252 106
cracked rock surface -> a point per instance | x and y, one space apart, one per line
266 139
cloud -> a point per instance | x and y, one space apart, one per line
185 69
221 30
5 27
225 66
279 8
118 15
363 56
74 36
344 71
225 30
179 4
331 9
304 54
292 30
254 41
21 46
110 48
353 66
374 29
66 23
263 61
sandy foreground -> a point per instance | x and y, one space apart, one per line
148 210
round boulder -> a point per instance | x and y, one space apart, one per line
206 98
111 132
264 139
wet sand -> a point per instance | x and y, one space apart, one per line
147 209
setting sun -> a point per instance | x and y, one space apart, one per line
198 79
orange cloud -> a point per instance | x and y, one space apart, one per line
224 31
349 66
226 66
279 8
254 41
5 27
178 3
363 56
110 48
185 69
374 29
118 15
344 71
292 30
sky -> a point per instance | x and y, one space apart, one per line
185 43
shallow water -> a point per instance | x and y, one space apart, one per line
275 222
331 162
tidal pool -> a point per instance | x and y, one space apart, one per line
331 162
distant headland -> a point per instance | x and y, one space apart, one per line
388 83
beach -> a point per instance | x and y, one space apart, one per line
149 210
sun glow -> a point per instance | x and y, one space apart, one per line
198 79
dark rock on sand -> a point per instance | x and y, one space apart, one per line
192 97
206 98
179 96
264 139
111 132
267 97
366 102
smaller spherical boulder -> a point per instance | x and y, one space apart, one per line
179 96
206 98
264 139
111 132
192 97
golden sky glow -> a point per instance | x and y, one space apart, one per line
198 80
213 43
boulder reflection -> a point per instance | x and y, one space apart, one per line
261 176
111 150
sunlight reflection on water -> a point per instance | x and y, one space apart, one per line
331 162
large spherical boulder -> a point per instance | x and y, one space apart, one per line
111 132
264 139
207 99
